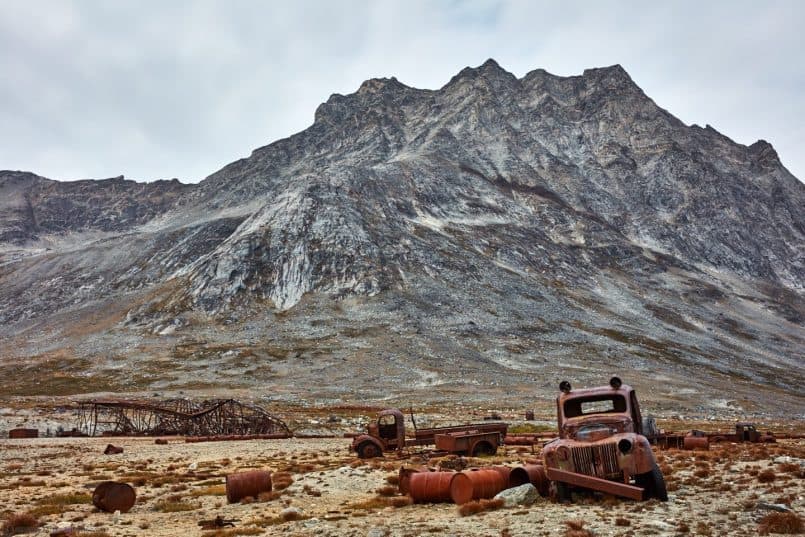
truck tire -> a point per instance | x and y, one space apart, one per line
483 448
560 492
653 484
368 450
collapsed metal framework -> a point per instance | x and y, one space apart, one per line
176 417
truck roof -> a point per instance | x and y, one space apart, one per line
592 392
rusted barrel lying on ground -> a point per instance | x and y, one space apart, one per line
112 450
430 487
504 472
111 496
475 484
530 473
239 486
696 442
23 433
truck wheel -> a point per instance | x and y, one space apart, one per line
560 492
653 484
368 450
482 449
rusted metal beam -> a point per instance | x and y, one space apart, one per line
595 483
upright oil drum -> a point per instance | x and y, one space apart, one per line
244 484
111 496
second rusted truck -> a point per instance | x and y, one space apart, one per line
601 445
388 434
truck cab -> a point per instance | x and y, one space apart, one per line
601 436
386 434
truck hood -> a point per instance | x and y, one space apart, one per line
596 427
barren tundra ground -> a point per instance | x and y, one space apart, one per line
716 492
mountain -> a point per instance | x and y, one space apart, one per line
483 241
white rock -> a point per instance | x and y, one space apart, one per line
290 511
522 495
660 525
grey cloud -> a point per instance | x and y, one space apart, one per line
178 89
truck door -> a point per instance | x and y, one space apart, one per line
637 418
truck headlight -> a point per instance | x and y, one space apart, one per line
625 446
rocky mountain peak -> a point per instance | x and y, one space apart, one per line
495 223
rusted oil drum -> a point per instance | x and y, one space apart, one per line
245 484
530 473
404 477
430 487
111 496
23 433
696 442
475 485
504 472
529 415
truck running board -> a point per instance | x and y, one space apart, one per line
595 483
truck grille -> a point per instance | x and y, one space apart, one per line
600 460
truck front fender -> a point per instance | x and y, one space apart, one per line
367 446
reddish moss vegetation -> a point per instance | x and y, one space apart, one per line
785 523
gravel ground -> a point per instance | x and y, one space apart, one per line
711 493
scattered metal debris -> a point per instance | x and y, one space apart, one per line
232 437
23 433
218 522
111 496
118 417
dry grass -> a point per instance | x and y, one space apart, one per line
281 480
69 498
479 506
169 505
380 502
387 491
785 523
766 476
18 522
215 490
575 528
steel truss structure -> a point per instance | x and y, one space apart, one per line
176 417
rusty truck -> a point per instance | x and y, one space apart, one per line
601 445
388 434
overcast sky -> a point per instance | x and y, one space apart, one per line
155 89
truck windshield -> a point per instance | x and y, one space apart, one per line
601 404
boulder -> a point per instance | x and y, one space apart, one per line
522 495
